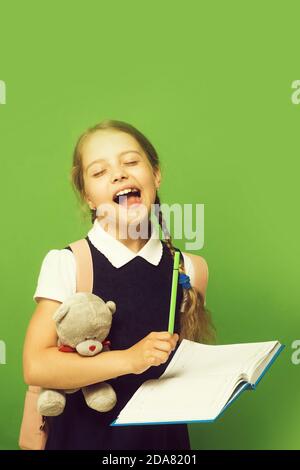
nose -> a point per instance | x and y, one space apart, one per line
92 348
119 174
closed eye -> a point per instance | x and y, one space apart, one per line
99 173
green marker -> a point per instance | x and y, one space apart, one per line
173 292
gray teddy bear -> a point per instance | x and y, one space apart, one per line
83 322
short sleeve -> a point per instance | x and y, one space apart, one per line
57 277
189 268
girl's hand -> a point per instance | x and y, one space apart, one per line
153 350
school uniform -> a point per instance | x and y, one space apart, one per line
140 285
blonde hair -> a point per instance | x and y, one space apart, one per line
195 320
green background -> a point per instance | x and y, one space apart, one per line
209 83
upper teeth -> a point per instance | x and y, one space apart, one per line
125 191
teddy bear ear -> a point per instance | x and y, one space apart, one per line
60 313
112 306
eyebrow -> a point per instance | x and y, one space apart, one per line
103 159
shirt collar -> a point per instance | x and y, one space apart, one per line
117 253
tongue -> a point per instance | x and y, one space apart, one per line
129 200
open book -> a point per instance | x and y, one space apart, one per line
200 382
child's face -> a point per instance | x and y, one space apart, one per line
115 171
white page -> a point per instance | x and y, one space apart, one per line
262 362
196 385
195 359
174 399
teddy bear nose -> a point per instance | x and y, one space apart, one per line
92 348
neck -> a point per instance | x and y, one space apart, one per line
133 244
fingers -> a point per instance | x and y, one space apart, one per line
163 335
159 345
164 346
158 357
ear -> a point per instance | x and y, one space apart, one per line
112 306
60 313
157 177
88 201
90 204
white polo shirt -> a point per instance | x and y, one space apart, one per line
57 277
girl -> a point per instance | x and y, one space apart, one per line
136 273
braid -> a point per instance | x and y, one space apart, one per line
195 320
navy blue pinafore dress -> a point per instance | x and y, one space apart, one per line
141 292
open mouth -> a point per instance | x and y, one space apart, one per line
129 198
